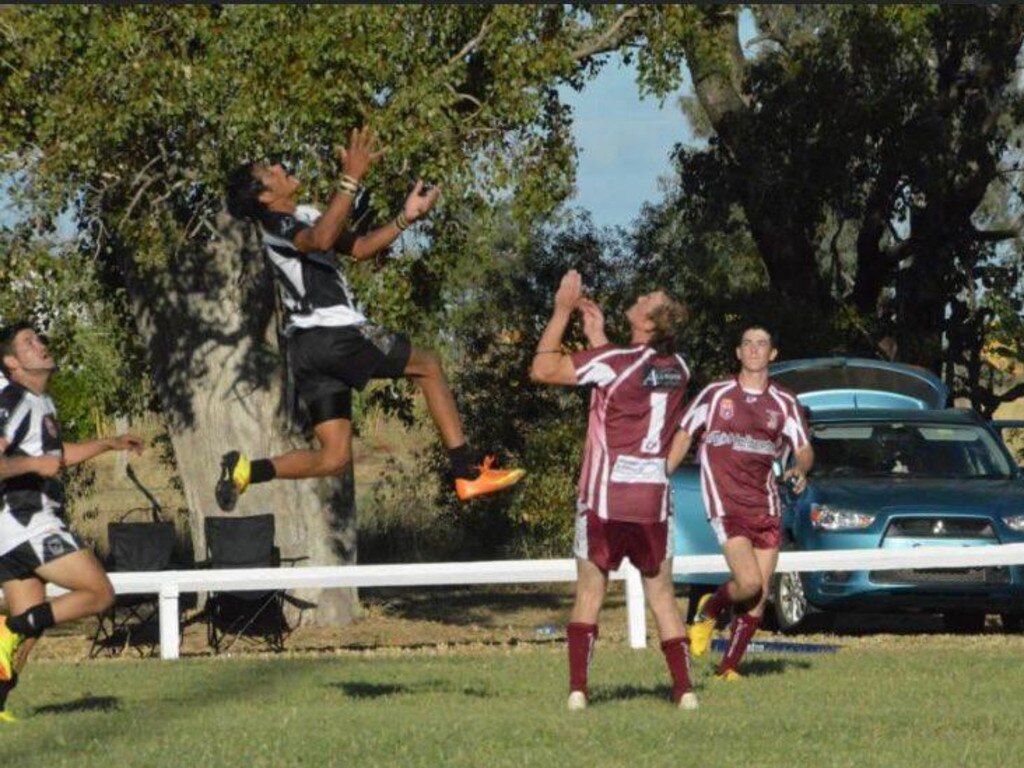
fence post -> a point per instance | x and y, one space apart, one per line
170 639
635 612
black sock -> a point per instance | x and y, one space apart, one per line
462 462
261 470
6 687
33 622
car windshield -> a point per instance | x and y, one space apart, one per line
859 449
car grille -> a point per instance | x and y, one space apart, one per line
926 576
941 528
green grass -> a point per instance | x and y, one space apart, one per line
922 704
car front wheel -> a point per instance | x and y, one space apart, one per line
1012 622
789 601
964 622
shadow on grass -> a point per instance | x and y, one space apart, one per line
765 667
601 694
358 690
84 704
462 606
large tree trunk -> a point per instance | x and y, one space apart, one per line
718 69
207 321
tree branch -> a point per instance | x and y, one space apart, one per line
472 44
997 235
608 40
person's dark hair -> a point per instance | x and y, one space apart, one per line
668 318
7 336
758 327
243 192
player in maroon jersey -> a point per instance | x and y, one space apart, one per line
747 423
622 509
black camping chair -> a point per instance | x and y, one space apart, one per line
258 616
131 619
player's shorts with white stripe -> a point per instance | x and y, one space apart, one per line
763 531
606 543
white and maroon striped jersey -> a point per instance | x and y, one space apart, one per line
744 432
637 401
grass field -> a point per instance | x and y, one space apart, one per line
918 701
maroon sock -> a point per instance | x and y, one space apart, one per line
581 648
677 656
719 602
743 630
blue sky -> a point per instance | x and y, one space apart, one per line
624 143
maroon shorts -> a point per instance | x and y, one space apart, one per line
606 542
763 531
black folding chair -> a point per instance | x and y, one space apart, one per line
257 616
133 547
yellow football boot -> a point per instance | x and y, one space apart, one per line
701 630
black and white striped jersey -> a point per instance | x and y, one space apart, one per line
29 504
314 290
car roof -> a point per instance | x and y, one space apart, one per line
889 415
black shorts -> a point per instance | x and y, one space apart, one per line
328 363
22 561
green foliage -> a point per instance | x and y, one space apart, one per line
61 293
134 115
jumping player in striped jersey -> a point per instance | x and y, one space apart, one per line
332 347
748 422
622 509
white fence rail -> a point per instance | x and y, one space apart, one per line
170 584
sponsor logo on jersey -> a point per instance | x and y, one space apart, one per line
664 378
725 408
54 546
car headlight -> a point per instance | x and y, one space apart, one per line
1015 522
837 519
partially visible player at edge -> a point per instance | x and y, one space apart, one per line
623 506
747 423
332 348
35 545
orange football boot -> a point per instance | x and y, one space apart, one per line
488 481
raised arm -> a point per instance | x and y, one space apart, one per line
550 364
355 163
417 205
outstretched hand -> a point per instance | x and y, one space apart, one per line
127 443
569 291
361 153
418 203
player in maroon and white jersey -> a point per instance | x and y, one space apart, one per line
622 509
747 423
